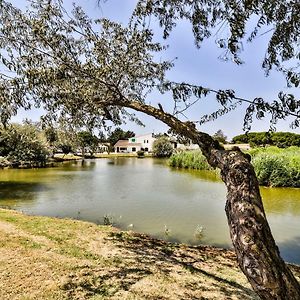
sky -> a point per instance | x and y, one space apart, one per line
197 66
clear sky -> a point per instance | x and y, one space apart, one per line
201 67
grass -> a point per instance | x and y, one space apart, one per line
48 258
273 166
189 160
277 167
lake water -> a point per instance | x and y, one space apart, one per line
146 196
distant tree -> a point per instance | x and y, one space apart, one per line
279 139
220 137
119 134
101 137
65 148
87 140
162 147
23 144
51 137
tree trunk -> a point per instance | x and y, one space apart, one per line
257 254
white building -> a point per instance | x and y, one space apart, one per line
136 143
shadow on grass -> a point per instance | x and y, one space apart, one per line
143 256
150 251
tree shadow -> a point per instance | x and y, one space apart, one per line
148 252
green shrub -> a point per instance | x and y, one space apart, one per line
162 147
277 167
189 160
279 139
140 153
273 166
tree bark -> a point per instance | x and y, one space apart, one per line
256 250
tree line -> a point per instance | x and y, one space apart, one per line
32 144
279 139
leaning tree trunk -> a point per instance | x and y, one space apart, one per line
257 254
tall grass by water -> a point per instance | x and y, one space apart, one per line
277 167
189 160
273 166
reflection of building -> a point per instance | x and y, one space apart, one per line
136 143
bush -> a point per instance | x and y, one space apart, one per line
162 147
140 154
273 166
23 144
277 167
189 160
279 139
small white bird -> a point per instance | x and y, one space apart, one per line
130 226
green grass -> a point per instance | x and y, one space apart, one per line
189 160
274 166
277 167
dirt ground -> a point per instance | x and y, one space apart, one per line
48 258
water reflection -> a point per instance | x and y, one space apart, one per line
147 196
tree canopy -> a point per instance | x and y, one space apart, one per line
78 69
279 139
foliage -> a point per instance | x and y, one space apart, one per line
66 149
220 137
119 134
87 140
140 154
179 137
89 72
162 147
189 160
23 143
279 139
273 166
279 18
58 61
277 167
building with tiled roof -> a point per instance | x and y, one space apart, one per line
136 143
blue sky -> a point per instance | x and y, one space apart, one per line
201 67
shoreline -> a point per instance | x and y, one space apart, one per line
51 258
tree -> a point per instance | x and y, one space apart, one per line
279 139
87 140
60 62
220 137
162 147
51 137
23 144
119 134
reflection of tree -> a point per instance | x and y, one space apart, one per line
11 193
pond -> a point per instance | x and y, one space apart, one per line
145 195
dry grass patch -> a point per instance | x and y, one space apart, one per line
48 258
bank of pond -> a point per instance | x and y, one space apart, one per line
273 166
147 196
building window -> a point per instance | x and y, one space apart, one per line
133 149
146 149
133 140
